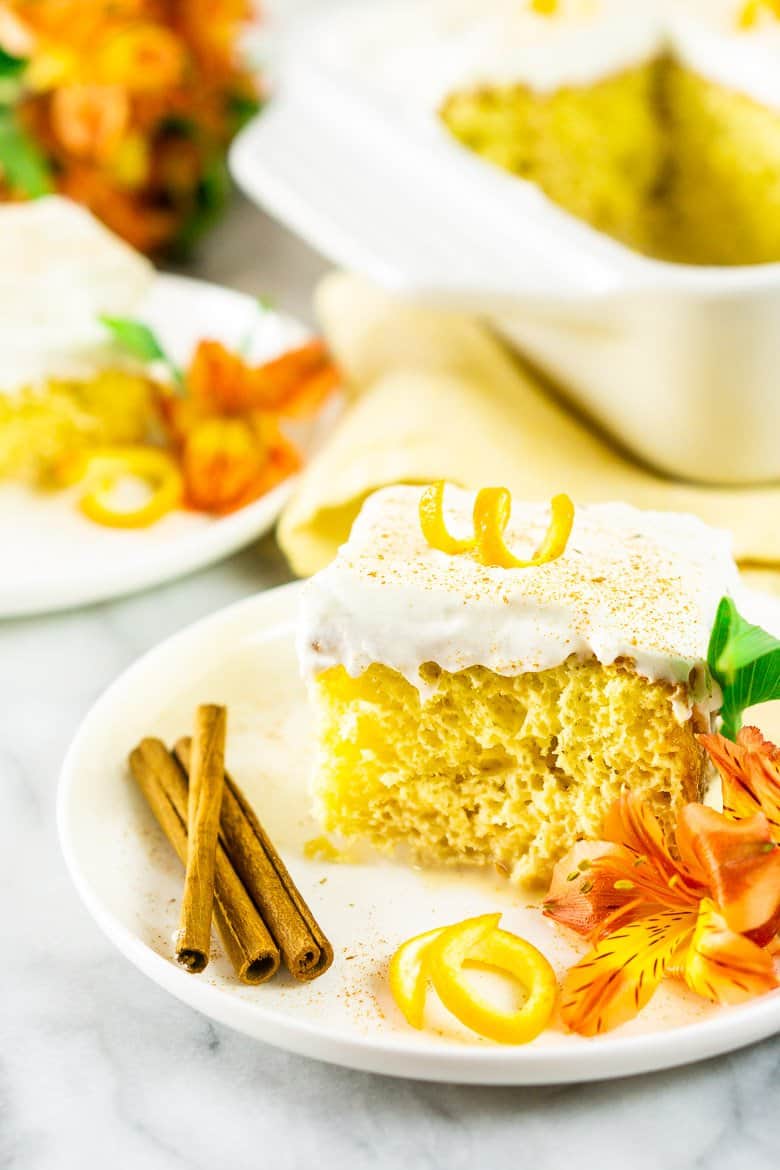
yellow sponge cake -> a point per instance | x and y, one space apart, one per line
656 121
482 715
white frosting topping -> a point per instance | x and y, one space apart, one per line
425 49
61 269
707 37
422 50
631 585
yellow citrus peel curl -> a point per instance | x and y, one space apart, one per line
492 511
432 522
107 467
440 956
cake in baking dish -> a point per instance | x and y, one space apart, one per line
482 715
656 121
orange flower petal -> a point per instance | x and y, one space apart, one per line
724 966
216 378
740 860
222 460
620 975
750 771
284 461
582 893
602 885
141 57
90 120
631 822
313 393
276 384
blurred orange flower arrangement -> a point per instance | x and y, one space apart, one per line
126 106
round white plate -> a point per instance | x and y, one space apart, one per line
131 882
55 558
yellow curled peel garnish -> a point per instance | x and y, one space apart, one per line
105 469
432 522
492 510
408 975
479 941
440 956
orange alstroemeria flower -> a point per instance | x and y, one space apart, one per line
750 771
132 104
221 460
229 462
277 384
216 379
90 120
212 26
141 57
740 863
650 913
220 381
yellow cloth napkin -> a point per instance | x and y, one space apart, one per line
436 396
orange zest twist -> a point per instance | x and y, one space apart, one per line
439 957
492 512
434 527
107 467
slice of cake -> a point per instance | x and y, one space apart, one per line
565 95
485 715
655 121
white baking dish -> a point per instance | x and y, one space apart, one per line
679 364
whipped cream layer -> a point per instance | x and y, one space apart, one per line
631 585
61 269
706 35
425 49
420 51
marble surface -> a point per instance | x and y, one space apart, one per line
99 1067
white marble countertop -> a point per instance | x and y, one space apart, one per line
101 1068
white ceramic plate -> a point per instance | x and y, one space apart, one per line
131 882
55 558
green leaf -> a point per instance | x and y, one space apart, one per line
22 162
140 342
241 108
211 196
138 339
745 661
11 68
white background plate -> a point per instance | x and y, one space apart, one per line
130 881
55 558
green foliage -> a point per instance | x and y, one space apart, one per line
11 68
23 164
745 661
141 342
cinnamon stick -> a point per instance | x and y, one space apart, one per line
247 941
305 949
203 809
